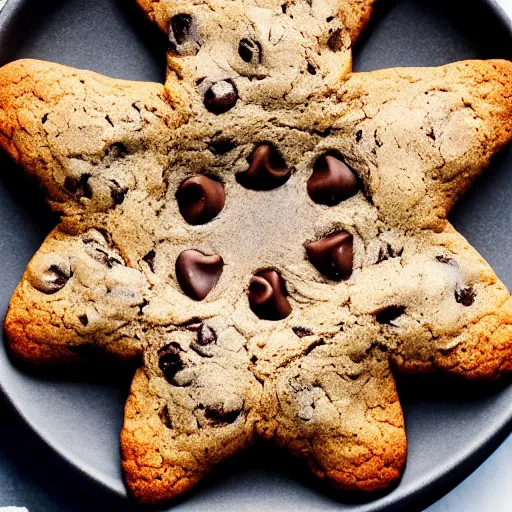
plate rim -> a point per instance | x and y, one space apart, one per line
464 462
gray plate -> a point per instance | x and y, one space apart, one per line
450 427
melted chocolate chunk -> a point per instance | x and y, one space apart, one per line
267 170
465 296
198 273
206 336
387 315
142 305
200 199
170 361
205 341
267 296
103 257
150 260
250 51
80 187
222 146
53 279
333 256
221 97
118 193
332 181
184 36
335 42
84 320
165 417
302 332
444 259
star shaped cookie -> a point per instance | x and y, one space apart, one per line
266 233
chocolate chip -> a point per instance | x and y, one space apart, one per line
104 257
200 199
267 296
118 193
316 344
335 42
150 260
205 341
53 278
387 315
302 332
180 25
198 273
165 417
250 51
465 296
311 69
80 187
333 256
445 259
221 97
359 135
83 320
141 306
222 146
219 415
170 361
184 36
267 170
206 336
332 181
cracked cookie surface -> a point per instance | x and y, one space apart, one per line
266 231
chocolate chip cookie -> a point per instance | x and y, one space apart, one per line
267 232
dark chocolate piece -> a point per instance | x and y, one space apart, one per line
198 273
267 296
184 36
465 296
206 336
333 256
221 97
302 332
332 181
250 51
200 199
170 361
267 170
54 278
387 315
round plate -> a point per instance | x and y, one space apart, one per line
450 427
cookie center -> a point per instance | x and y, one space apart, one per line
265 228
257 226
